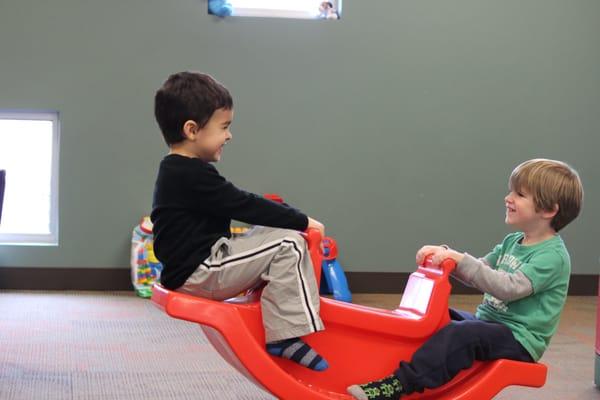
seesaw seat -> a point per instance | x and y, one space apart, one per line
360 343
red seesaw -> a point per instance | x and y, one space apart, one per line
360 343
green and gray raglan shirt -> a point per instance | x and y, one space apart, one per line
525 287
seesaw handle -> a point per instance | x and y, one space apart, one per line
274 197
444 269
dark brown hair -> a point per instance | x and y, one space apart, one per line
188 96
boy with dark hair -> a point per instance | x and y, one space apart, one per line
192 210
525 281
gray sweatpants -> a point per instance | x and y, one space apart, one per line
289 301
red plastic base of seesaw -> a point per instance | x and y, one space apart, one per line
360 343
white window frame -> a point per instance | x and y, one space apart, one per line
278 12
50 239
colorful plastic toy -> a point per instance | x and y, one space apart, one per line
334 280
360 343
238 230
145 267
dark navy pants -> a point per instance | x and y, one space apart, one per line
454 348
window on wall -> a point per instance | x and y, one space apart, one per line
307 9
29 157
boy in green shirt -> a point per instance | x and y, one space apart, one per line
525 281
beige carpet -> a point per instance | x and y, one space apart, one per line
96 346
104 345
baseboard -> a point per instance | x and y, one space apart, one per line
32 278
37 278
394 282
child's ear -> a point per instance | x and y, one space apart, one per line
190 129
549 214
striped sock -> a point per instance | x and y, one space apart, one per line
296 350
388 388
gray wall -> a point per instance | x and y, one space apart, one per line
396 126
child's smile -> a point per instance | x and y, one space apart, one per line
214 136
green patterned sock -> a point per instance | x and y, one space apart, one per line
388 388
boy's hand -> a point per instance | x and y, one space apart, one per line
438 254
313 223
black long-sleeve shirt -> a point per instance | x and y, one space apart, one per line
192 208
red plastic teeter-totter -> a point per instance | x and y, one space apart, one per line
360 343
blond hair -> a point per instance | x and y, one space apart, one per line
550 183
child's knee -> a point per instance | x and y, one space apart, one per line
295 239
